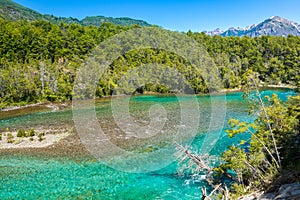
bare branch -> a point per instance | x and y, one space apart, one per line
267 149
226 193
268 123
253 195
254 170
204 194
216 189
195 159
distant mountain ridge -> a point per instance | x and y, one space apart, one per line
10 10
274 26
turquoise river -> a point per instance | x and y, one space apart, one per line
28 174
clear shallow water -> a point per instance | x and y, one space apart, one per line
31 177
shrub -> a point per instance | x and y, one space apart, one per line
21 133
0 136
10 138
30 133
40 136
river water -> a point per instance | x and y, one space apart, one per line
26 176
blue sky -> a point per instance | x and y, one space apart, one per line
180 15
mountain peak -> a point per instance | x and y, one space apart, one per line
279 19
274 26
275 18
217 31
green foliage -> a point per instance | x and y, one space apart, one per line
122 21
10 138
10 10
30 133
0 136
21 133
39 60
255 167
41 136
291 150
274 59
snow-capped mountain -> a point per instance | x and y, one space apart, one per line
274 26
214 32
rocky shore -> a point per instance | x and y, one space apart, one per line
285 192
38 139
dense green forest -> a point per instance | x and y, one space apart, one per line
39 59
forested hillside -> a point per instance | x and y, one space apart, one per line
39 59
10 10
275 59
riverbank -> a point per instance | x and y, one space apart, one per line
69 147
25 106
285 192
281 86
33 108
60 105
291 87
48 104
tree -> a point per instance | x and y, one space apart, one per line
256 166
